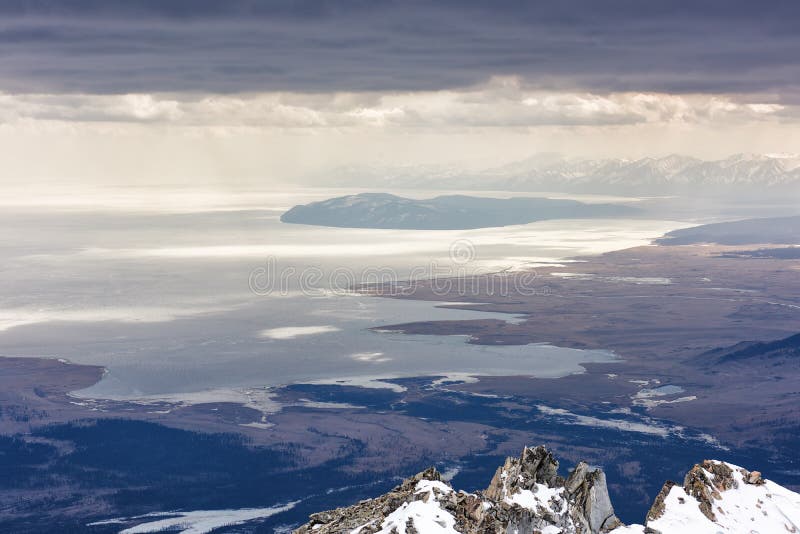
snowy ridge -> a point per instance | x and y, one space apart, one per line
551 172
526 495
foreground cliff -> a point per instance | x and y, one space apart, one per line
526 495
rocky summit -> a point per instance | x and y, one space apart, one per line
527 495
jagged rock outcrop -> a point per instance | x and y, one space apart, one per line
592 507
526 495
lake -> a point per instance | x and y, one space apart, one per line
195 293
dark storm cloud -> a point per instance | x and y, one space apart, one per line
113 46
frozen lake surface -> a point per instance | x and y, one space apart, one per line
158 288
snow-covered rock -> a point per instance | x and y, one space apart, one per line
717 497
527 495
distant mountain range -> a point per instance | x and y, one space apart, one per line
451 212
550 172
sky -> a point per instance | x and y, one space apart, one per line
243 91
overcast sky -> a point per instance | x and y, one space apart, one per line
241 90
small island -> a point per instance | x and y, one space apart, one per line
451 212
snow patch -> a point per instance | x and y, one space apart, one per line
370 357
426 515
618 424
551 499
195 522
291 332
370 382
637 280
455 378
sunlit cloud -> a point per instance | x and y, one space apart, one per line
500 102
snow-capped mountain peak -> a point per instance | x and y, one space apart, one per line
551 172
527 495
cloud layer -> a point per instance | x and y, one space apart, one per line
502 102
146 46
134 91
